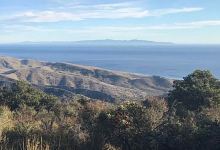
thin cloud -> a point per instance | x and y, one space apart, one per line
115 29
174 26
162 12
188 25
42 16
99 11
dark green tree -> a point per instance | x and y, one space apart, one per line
199 89
20 93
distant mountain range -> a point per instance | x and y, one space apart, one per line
107 42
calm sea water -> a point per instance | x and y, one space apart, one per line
174 61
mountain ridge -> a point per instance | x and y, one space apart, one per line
90 81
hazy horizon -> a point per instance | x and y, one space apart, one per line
170 42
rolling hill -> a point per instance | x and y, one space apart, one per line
65 79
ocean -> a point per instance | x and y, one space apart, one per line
172 61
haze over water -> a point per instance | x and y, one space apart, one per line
173 61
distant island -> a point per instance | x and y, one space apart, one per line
107 42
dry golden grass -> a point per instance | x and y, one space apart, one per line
6 119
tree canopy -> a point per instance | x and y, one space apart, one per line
199 89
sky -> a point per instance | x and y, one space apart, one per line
178 21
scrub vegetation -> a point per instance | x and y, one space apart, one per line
188 118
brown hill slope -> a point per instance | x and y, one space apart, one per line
89 81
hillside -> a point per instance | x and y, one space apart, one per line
63 78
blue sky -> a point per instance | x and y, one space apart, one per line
179 21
